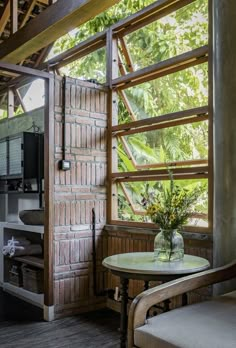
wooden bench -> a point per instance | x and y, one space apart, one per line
209 324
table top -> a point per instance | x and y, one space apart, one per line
144 263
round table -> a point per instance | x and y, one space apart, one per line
142 266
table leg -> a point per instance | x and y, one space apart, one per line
184 299
123 316
146 285
166 307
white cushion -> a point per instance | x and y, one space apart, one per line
210 324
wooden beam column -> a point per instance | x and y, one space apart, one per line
14 16
112 72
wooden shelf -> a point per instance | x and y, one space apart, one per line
30 260
22 227
28 296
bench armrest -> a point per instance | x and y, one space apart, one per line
148 298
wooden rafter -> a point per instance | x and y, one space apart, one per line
43 55
5 16
14 16
20 100
169 66
49 25
28 13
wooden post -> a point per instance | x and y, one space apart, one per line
10 103
49 192
112 72
14 16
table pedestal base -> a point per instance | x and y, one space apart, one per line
123 318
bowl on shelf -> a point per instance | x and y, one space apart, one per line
32 217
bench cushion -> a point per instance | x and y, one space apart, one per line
203 325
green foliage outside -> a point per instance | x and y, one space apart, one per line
182 31
172 206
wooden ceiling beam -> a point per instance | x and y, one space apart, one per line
48 26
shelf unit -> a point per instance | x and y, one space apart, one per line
30 260
28 296
22 163
35 234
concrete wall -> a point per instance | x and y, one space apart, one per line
22 123
76 192
224 49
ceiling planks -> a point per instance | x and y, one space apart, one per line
55 21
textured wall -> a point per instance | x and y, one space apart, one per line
78 191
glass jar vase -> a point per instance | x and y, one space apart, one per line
168 246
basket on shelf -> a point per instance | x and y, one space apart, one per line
15 276
32 278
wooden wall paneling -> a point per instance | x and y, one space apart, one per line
77 192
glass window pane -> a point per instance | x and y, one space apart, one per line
180 143
179 32
33 94
179 91
131 199
91 67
